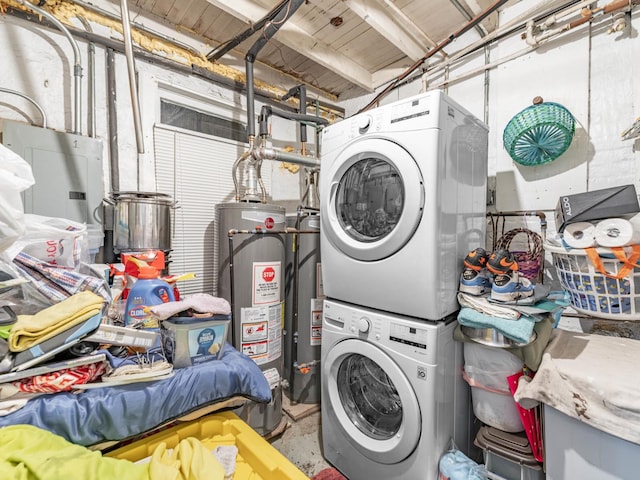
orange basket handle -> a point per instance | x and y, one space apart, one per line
628 264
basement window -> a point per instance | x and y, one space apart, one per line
183 117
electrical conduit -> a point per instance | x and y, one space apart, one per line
77 66
36 104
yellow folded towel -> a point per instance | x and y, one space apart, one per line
190 460
30 330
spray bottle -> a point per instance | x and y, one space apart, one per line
149 290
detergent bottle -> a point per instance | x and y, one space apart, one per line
149 290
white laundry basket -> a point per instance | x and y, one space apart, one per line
593 293
486 370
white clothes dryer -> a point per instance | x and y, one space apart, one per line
392 393
403 200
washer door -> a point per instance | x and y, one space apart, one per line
375 199
380 416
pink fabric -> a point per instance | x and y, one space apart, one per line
329 474
62 380
199 302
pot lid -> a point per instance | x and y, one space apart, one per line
142 196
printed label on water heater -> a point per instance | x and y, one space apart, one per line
266 283
316 322
262 333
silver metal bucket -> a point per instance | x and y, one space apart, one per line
142 221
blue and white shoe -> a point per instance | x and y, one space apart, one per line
474 282
510 286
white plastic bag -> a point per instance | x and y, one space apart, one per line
15 177
53 240
455 465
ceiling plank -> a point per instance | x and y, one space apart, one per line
298 39
389 21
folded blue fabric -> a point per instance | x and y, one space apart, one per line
519 330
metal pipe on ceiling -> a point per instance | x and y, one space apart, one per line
544 8
481 31
254 161
532 41
506 29
229 45
36 104
77 65
131 70
281 16
586 16
139 28
465 28
173 65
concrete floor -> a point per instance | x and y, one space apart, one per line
301 443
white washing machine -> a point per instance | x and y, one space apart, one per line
403 196
392 393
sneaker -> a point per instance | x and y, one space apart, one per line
510 286
501 262
474 280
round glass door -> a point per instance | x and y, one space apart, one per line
369 397
372 400
370 199
375 200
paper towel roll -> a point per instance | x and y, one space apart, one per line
616 232
579 235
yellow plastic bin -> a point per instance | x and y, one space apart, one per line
257 459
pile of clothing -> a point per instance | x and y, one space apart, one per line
495 296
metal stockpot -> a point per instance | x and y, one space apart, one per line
142 221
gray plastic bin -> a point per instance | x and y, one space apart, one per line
575 450
508 455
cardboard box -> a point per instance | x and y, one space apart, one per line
596 205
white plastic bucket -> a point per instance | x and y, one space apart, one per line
486 370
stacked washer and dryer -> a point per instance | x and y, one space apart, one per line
403 200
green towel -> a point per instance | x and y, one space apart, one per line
30 453
5 330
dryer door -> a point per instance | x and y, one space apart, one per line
380 416
375 199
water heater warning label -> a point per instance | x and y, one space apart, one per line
316 322
262 333
266 283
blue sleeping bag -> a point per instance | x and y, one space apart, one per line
119 412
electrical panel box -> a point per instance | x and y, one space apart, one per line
67 169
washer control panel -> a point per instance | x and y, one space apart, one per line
409 335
